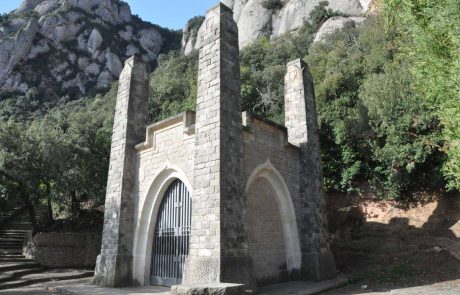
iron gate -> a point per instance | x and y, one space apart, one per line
172 234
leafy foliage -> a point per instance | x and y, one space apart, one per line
372 125
173 85
272 4
263 65
321 13
432 29
61 157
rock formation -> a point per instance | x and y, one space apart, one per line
72 47
255 19
334 24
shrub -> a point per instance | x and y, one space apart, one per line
272 5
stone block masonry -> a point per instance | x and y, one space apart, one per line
301 122
257 204
218 245
114 264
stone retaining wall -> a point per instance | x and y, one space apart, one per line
63 249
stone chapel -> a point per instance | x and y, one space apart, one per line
214 196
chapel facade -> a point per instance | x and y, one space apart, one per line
216 195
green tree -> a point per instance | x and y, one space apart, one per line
21 165
59 159
433 30
173 85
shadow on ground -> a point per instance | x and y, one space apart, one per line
384 246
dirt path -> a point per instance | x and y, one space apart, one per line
445 288
420 273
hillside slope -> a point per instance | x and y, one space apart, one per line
73 47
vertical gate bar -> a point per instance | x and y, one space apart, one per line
176 215
165 216
169 233
181 254
179 233
162 239
179 251
171 236
168 225
171 224
159 241
165 236
182 231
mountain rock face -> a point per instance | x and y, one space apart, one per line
334 24
256 19
72 47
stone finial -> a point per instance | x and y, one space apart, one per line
218 244
300 105
113 266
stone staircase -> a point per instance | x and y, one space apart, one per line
15 269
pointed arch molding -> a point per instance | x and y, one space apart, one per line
286 207
143 238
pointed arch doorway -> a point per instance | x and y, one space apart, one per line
172 236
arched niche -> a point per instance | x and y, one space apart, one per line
143 238
269 173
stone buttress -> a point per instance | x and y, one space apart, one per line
302 125
218 245
114 264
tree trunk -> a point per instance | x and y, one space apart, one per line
31 209
75 205
50 208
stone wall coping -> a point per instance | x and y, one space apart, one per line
188 120
249 119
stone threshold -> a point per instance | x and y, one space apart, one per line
85 287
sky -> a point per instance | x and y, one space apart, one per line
172 14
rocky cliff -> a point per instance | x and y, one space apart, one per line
73 47
273 18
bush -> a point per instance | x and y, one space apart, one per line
272 4
173 85
432 28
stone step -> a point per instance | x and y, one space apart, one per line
12 238
19 224
10 251
16 228
17 244
12 235
22 259
6 266
11 255
11 275
10 247
47 276
9 242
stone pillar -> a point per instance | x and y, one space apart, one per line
114 264
302 124
219 244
